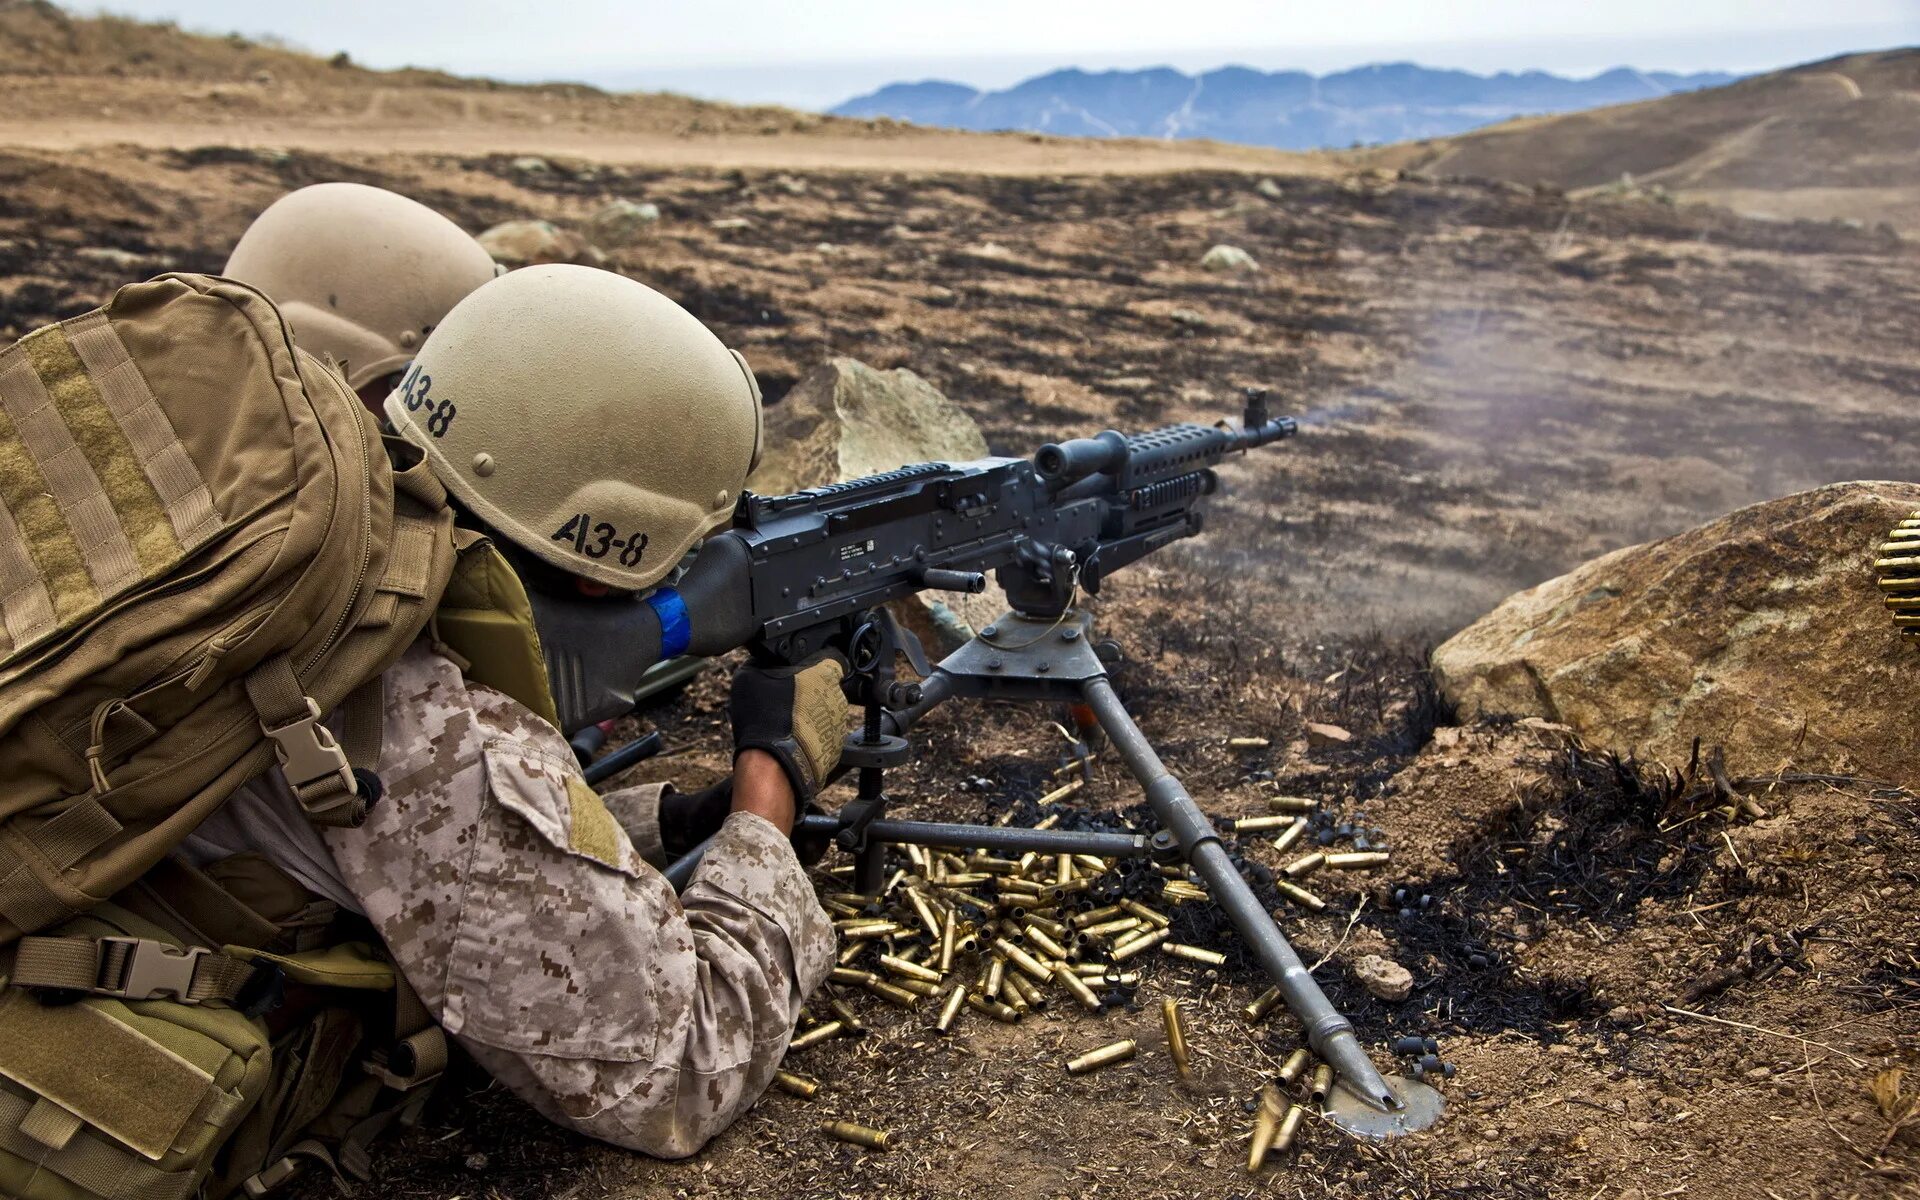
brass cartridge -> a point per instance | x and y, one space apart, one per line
1095 916
1266 1126
848 1017
1212 958
816 1035
1136 945
1265 1004
951 1009
996 977
949 941
924 911
1296 1065
1262 824
1158 920
1299 895
1021 959
859 1135
1290 837
1040 938
1359 858
919 987
1093 1060
1289 1125
1077 986
1322 1083
1176 1037
796 1085
1031 997
1291 804
1107 929
893 994
852 975
992 1008
912 970
1300 868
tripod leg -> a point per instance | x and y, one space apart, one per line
1330 1034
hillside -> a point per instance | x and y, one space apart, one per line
1839 138
1292 110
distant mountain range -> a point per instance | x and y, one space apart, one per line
1292 110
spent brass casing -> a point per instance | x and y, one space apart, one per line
1031 996
859 1135
853 976
1048 925
1047 945
1061 793
968 878
980 861
1299 895
857 931
1359 858
1020 887
1063 868
840 908
1077 986
1139 945
1264 1004
1296 1065
892 993
1027 963
1105 973
1212 958
1107 929
949 941
912 970
1290 837
919 987
1002 1013
951 1008
1093 1060
1322 1083
893 881
1291 804
1090 862
1176 1036
996 977
924 911
1025 862
1095 916
1054 893
816 1035
848 1017
1158 920
1266 1126
796 1085
1300 868
1262 824
1289 1125
1048 822
850 951
1248 743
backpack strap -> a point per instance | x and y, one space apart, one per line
317 768
128 968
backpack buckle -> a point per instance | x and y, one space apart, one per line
309 752
148 970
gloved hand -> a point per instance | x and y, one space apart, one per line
689 818
797 714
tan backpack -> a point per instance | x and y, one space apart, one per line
203 549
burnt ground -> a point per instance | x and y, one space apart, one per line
1496 384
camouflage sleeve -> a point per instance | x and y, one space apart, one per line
532 929
637 809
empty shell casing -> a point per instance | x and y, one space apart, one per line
1089 862
1095 916
1296 1065
996 977
1077 986
1265 1004
1266 1126
1005 1014
1299 895
919 987
892 993
912 970
1027 963
1248 743
1061 793
1046 925
1300 868
1322 1083
949 941
1289 1125
862 931
848 1017
1063 868
850 951
1158 920
859 1135
1025 862
796 1085
1138 945
1106 973
1039 937
1290 837
1108 928
852 975
1093 1060
951 1008
840 908
924 911
1176 1036
816 1035
1291 804
1359 858
1029 993
1212 958
1262 824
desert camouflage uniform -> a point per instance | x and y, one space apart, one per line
538 935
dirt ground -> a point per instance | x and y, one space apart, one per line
1642 997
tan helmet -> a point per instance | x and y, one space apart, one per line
586 417
362 274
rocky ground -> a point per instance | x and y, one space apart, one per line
1643 996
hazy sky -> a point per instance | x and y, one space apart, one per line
819 52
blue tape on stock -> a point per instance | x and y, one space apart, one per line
676 631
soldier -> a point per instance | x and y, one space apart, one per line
362 274
596 431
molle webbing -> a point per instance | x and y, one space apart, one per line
27 896
99 494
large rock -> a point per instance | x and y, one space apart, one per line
845 420
525 243
1763 632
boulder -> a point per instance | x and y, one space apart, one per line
621 222
845 420
524 243
1228 258
1762 632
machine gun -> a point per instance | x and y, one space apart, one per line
801 573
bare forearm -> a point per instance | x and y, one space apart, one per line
760 787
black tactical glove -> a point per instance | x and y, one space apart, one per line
689 818
797 714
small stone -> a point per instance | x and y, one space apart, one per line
1382 977
1270 189
520 243
1326 737
790 185
1760 1073
1227 258
529 164
621 222
727 223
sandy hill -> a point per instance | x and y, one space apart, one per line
1839 138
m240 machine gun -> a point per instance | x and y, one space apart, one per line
811 571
